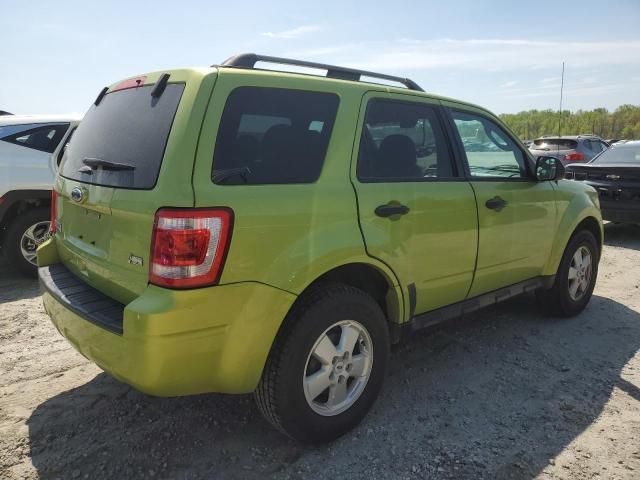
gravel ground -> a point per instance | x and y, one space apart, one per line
503 393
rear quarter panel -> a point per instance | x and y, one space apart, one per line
286 236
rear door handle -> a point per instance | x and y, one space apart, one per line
391 209
496 203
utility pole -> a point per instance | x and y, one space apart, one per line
560 115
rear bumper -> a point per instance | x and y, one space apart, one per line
179 342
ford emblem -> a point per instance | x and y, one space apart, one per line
77 195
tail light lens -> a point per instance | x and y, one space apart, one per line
53 228
189 246
574 157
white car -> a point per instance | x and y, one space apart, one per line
31 148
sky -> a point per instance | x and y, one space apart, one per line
504 55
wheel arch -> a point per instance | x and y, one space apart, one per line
17 202
375 280
590 220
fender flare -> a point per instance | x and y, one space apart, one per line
579 210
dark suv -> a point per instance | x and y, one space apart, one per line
569 148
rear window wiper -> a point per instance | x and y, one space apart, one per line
107 165
220 175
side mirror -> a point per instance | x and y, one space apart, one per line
549 168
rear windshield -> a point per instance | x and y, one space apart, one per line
554 144
121 142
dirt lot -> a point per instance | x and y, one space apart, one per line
504 393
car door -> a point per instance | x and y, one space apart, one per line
516 213
417 214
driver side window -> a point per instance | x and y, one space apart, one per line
489 149
402 141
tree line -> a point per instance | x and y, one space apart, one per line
623 123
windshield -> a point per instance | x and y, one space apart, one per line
121 142
625 153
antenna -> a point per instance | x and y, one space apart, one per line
561 89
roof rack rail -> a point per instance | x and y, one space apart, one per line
249 60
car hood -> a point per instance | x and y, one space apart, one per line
602 171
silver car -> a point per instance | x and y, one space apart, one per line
569 148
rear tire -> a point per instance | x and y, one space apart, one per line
575 279
25 233
338 337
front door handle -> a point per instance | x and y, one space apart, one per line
496 203
391 209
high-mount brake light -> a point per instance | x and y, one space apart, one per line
189 246
131 83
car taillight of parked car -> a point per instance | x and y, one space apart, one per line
574 157
53 226
189 246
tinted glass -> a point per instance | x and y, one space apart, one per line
624 153
402 141
554 144
273 135
490 151
44 138
128 128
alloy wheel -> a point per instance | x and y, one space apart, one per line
32 238
580 272
338 368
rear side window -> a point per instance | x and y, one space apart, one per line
121 142
44 138
555 144
273 136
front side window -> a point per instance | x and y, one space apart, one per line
402 141
44 138
273 136
490 151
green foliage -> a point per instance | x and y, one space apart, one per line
623 123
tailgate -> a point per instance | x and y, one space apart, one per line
132 154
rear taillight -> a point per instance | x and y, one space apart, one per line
189 246
53 227
574 157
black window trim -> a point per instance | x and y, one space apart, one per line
272 87
437 109
459 147
63 142
58 135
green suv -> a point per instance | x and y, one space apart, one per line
234 229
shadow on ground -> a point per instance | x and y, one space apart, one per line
622 235
15 287
494 395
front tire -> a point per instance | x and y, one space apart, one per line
326 366
23 236
575 279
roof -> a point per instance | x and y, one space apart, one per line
566 137
365 79
20 119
